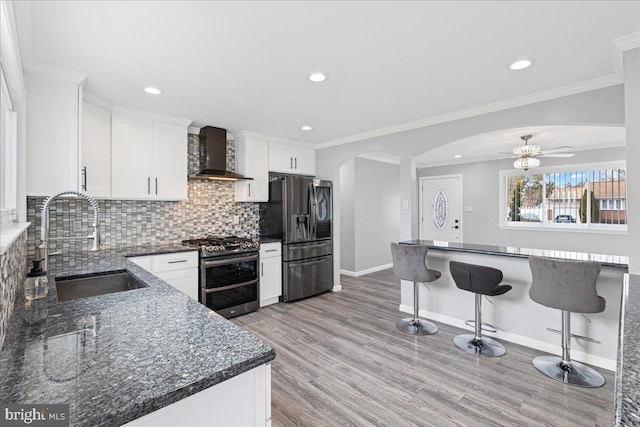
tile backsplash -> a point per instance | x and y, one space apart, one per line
209 209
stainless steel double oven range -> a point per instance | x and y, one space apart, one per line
229 275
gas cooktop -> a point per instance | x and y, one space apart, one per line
214 245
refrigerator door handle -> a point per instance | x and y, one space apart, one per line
313 201
312 262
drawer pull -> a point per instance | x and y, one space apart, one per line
271 250
176 262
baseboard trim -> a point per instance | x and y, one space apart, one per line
599 361
367 271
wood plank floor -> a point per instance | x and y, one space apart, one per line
341 361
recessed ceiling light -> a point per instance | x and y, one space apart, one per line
152 90
317 77
305 127
521 64
457 156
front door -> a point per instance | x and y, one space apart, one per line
441 208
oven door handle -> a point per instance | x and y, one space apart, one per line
206 264
226 288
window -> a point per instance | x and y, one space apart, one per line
590 197
8 153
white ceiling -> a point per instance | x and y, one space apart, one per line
493 145
244 65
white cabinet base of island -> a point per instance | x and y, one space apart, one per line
242 401
517 318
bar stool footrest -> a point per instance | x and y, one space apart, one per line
485 326
579 337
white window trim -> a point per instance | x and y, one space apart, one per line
503 224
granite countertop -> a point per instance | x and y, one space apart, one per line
116 357
614 261
627 397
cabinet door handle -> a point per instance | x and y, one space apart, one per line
249 189
84 178
291 162
177 261
295 159
262 269
148 185
156 185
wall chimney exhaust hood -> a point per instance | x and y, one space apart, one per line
216 165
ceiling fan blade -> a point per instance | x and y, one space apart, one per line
558 154
554 150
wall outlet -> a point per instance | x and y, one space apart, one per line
236 219
405 204
77 226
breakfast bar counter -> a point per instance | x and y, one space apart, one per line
116 357
517 318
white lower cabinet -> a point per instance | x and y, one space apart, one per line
241 401
270 273
180 270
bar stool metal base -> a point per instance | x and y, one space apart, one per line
416 326
574 373
483 347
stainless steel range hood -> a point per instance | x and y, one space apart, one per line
216 166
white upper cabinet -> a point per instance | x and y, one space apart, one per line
95 151
148 156
291 159
52 139
170 160
252 157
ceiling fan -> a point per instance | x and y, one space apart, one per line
526 155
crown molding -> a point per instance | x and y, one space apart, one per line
171 119
506 104
630 41
380 157
620 45
57 73
256 135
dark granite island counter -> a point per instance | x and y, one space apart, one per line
627 400
117 357
517 318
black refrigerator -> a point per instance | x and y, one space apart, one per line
300 213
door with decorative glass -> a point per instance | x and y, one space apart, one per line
441 208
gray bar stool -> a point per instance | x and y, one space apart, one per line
569 286
410 263
480 280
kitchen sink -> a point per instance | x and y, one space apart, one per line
91 285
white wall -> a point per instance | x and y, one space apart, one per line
480 190
347 217
632 110
370 219
377 198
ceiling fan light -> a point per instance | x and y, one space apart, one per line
526 150
526 163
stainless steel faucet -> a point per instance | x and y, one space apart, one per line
44 226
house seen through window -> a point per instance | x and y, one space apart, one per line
587 197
